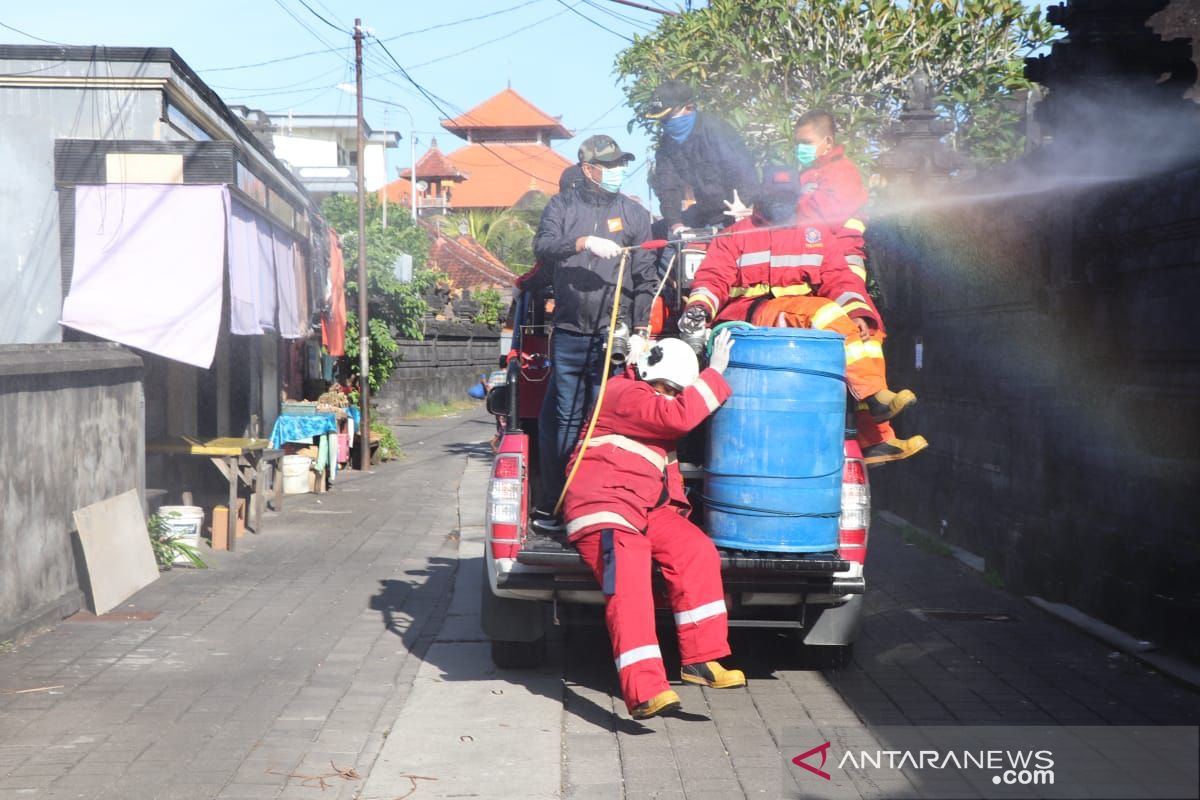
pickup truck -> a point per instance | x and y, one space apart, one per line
819 596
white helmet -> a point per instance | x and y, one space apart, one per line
670 361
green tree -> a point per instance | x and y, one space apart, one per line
506 233
760 62
489 306
395 309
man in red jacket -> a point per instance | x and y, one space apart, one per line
626 507
773 270
833 198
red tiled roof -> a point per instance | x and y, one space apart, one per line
501 173
506 110
468 263
434 164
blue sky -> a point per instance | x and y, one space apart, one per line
557 53
552 55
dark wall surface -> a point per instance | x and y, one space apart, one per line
438 369
71 434
1059 386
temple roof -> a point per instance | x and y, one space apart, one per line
434 164
506 111
502 173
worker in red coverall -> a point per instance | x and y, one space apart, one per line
771 270
626 507
834 198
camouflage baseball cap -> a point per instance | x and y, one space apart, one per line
601 149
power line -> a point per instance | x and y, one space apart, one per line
637 23
489 41
317 36
594 22
30 35
430 97
385 39
314 12
302 83
458 21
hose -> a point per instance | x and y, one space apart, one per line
612 329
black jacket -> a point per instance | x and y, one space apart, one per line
583 283
712 161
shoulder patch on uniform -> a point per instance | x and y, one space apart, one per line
812 235
615 225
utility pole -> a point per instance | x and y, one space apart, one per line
364 339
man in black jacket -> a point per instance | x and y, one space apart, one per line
702 154
579 241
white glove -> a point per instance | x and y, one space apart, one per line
737 209
719 360
637 346
601 248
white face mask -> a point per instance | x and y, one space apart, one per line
611 178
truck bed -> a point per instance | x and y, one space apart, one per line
741 571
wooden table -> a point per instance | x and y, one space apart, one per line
235 458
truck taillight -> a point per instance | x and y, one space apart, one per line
855 520
505 505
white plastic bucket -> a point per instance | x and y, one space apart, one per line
295 474
184 523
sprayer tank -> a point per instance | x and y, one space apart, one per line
775 451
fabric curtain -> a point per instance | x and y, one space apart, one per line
149 267
291 325
245 262
333 324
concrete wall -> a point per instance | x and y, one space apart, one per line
30 271
1059 389
438 369
71 434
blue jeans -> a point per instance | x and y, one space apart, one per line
578 360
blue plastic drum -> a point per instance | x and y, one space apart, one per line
775 449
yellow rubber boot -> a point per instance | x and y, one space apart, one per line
712 675
893 450
663 701
886 404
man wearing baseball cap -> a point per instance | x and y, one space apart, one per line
582 234
700 155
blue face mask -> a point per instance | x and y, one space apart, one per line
680 128
611 178
806 154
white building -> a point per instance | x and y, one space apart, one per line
322 149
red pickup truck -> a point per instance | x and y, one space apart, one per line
818 595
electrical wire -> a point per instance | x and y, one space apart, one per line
594 22
320 76
431 98
331 48
30 35
439 26
475 47
637 23
314 12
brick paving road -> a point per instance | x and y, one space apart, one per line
323 641
276 661
908 668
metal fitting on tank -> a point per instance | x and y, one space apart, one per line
620 344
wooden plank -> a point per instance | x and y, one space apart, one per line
116 549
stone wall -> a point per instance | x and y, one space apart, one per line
71 434
1059 385
438 369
